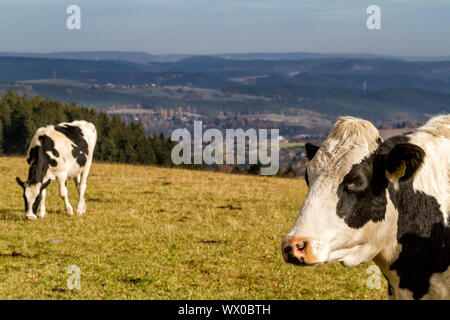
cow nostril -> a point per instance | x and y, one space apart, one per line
301 245
287 249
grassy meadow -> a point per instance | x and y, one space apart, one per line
154 233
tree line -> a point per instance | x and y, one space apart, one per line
117 141
21 116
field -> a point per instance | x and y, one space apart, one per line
154 233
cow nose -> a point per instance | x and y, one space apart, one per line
296 251
30 217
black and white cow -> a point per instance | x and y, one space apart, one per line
383 201
58 153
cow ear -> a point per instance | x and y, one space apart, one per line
403 161
311 150
20 182
45 185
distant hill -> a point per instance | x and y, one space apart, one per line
144 57
313 56
358 81
21 68
214 65
136 57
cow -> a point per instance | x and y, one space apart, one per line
382 201
59 153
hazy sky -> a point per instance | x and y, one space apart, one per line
409 27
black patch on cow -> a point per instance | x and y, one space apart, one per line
424 238
359 200
362 192
25 201
37 201
311 150
420 230
390 289
39 160
80 148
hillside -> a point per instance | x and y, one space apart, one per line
221 71
383 104
227 92
153 233
21 68
358 81
374 104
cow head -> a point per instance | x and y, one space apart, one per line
345 216
32 196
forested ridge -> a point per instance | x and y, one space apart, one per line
21 116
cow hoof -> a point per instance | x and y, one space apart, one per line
31 217
69 212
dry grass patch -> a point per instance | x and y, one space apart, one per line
154 233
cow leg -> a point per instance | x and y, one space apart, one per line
77 183
81 207
41 212
64 195
81 182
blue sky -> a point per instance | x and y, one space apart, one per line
409 27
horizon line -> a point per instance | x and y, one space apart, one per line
230 53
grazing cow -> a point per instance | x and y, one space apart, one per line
383 201
58 152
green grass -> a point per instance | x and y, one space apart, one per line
153 233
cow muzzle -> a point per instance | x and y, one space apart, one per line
30 216
298 251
